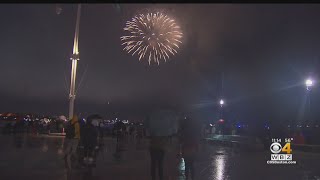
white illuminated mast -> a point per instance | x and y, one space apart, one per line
74 58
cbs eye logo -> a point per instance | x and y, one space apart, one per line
277 148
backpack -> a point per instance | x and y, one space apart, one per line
70 130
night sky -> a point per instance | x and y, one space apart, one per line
254 56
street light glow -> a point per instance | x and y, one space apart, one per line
221 102
309 83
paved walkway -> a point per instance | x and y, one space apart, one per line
41 158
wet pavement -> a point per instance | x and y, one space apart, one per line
40 157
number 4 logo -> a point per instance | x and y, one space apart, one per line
287 148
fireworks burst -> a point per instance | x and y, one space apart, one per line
154 36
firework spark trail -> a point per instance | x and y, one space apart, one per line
153 36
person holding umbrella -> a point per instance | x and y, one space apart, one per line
119 129
89 137
72 140
160 125
190 137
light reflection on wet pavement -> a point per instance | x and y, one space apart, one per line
42 158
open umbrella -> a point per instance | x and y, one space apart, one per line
95 119
62 118
162 123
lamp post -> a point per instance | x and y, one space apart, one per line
221 102
74 58
309 83
221 121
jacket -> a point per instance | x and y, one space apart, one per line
89 136
75 122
